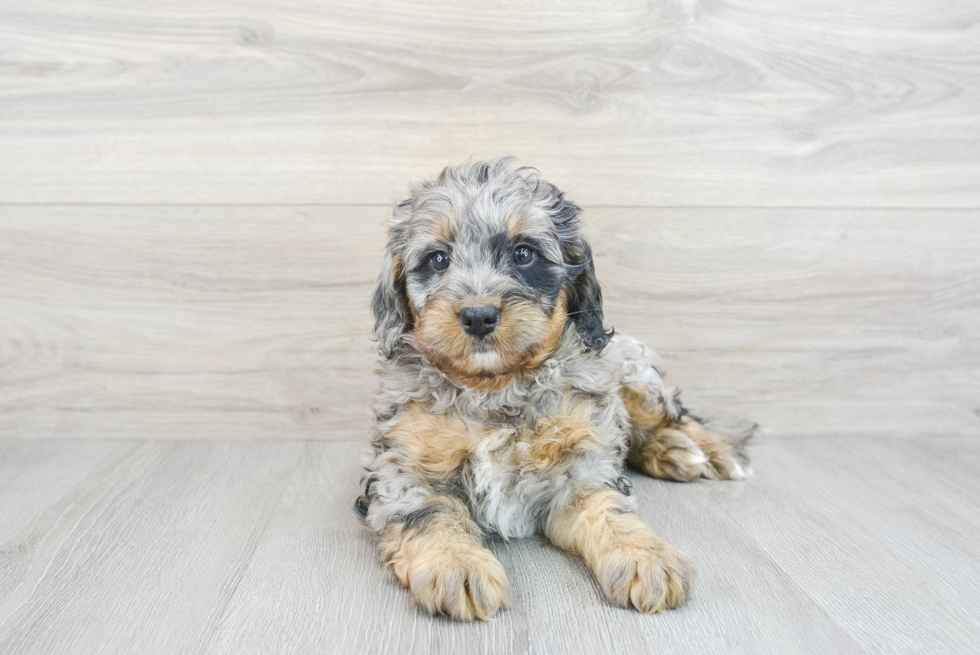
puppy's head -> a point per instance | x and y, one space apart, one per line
484 266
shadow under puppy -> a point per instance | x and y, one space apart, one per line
505 407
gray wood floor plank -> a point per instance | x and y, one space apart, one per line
253 322
669 102
38 485
868 530
146 551
836 545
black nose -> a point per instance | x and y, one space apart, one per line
479 321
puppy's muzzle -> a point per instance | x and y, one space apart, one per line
479 321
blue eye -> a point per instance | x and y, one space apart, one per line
523 256
439 260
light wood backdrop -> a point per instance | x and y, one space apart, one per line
784 197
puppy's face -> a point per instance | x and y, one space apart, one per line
486 265
484 285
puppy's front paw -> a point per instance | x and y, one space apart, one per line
462 582
650 577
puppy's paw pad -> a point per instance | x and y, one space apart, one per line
650 578
461 583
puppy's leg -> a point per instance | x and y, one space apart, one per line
633 566
664 441
725 454
437 552
684 451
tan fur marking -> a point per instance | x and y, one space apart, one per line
445 564
548 346
438 443
443 229
633 566
525 337
556 437
517 224
641 415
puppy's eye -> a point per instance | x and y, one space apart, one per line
523 256
439 260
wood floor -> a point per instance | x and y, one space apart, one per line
835 546
783 197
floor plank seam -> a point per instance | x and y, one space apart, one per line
212 627
785 576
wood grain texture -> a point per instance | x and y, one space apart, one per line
253 322
916 586
670 102
160 320
835 546
139 553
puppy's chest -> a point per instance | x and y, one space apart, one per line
513 472
511 469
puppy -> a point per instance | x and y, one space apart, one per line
505 406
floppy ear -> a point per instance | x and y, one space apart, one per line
584 299
583 294
389 303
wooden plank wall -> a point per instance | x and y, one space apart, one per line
784 198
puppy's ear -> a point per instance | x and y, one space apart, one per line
584 298
583 294
389 303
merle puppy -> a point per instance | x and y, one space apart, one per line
505 406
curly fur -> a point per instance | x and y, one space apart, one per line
527 430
